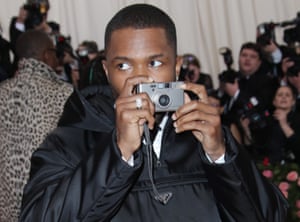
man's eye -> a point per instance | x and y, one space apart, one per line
155 63
123 66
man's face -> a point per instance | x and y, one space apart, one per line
249 61
230 88
50 57
134 52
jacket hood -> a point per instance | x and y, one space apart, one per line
90 109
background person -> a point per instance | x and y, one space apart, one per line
254 78
284 132
30 105
191 71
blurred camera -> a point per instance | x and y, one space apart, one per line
37 10
292 33
257 116
265 33
227 56
167 96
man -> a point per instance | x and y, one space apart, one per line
243 112
256 78
237 99
30 106
87 51
103 168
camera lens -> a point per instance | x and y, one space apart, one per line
164 100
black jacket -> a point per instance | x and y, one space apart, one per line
78 175
5 61
260 84
237 110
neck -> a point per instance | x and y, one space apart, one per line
285 110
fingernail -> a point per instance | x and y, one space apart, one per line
150 79
173 116
176 130
175 124
183 86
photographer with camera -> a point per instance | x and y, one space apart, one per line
242 112
32 15
254 77
121 160
37 16
91 71
191 72
273 54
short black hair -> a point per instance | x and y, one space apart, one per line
141 16
191 59
253 46
291 87
91 46
32 44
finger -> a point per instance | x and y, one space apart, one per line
135 116
195 105
128 106
198 89
200 126
194 120
187 99
131 102
130 84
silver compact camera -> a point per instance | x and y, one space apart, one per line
166 96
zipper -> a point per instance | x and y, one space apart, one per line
168 182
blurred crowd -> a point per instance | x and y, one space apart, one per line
80 67
247 97
260 101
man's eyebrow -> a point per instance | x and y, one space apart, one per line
121 58
155 56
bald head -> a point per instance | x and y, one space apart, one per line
32 44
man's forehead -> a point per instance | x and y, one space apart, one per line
250 51
146 41
137 32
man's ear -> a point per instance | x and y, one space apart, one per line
104 64
179 61
45 56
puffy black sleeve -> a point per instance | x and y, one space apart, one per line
69 182
242 193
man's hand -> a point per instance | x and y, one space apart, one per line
202 119
130 119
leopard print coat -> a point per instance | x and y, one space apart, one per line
30 106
